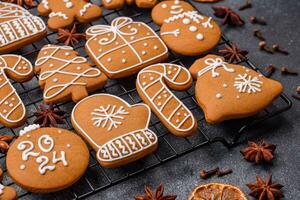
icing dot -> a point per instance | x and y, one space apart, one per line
169 72
68 145
123 60
95 39
19 67
139 25
23 62
22 167
109 59
185 114
6 102
116 43
123 51
199 36
51 65
186 21
28 136
164 5
159 103
164 91
45 52
237 96
55 79
132 37
100 50
144 76
165 95
67 53
177 120
151 78
4 111
219 96
147 33
59 131
260 75
193 28
144 83
155 47
79 68
159 97
12 98
145 44
69 5
108 34
144 52
225 85
247 70
11 105
176 2
24 67
178 114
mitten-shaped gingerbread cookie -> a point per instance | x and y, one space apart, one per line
18 27
228 91
12 109
152 85
125 47
117 4
64 75
63 13
190 33
117 131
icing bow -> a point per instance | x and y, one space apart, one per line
212 64
115 28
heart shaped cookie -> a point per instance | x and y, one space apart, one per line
116 130
229 91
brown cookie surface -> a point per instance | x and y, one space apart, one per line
117 4
18 27
63 13
45 160
64 75
125 47
153 85
228 91
190 33
169 8
117 131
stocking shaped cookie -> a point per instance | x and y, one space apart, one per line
125 47
117 4
64 75
228 91
190 33
18 27
152 85
117 131
12 109
63 13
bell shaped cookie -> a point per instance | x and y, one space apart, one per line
117 131
18 27
228 91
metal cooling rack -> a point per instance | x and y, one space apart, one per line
170 147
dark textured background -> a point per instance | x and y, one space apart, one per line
180 176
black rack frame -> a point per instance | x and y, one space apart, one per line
98 178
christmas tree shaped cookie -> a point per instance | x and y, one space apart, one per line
64 75
228 91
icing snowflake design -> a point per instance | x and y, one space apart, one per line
108 117
247 83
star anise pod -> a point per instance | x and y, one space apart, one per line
265 190
28 3
228 15
233 53
69 37
47 117
258 153
157 195
4 142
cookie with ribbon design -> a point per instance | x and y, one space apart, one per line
169 8
18 27
64 75
153 85
12 109
117 4
117 131
44 160
190 33
229 91
63 13
125 47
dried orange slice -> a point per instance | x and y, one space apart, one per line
217 191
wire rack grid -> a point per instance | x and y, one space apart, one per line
170 147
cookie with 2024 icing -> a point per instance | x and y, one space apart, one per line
153 85
44 160
169 8
117 4
12 109
116 130
64 75
63 13
18 27
229 91
125 47
190 33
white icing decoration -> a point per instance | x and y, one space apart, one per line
219 96
62 158
186 21
247 83
45 3
108 116
207 24
199 36
193 28
22 167
1 189
212 65
43 161
225 85
27 152
164 5
84 9
176 33
28 129
193 15
58 14
46 140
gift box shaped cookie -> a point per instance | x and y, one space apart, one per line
229 91
117 131
125 47
18 27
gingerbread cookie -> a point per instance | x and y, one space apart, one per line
7 193
64 75
63 13
228 91
117 4
12 109
45 160
190 33
125 47
117 131
18 27
152 85
169 8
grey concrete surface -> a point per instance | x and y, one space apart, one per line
180 176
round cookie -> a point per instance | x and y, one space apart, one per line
44 160
190 33
169 8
